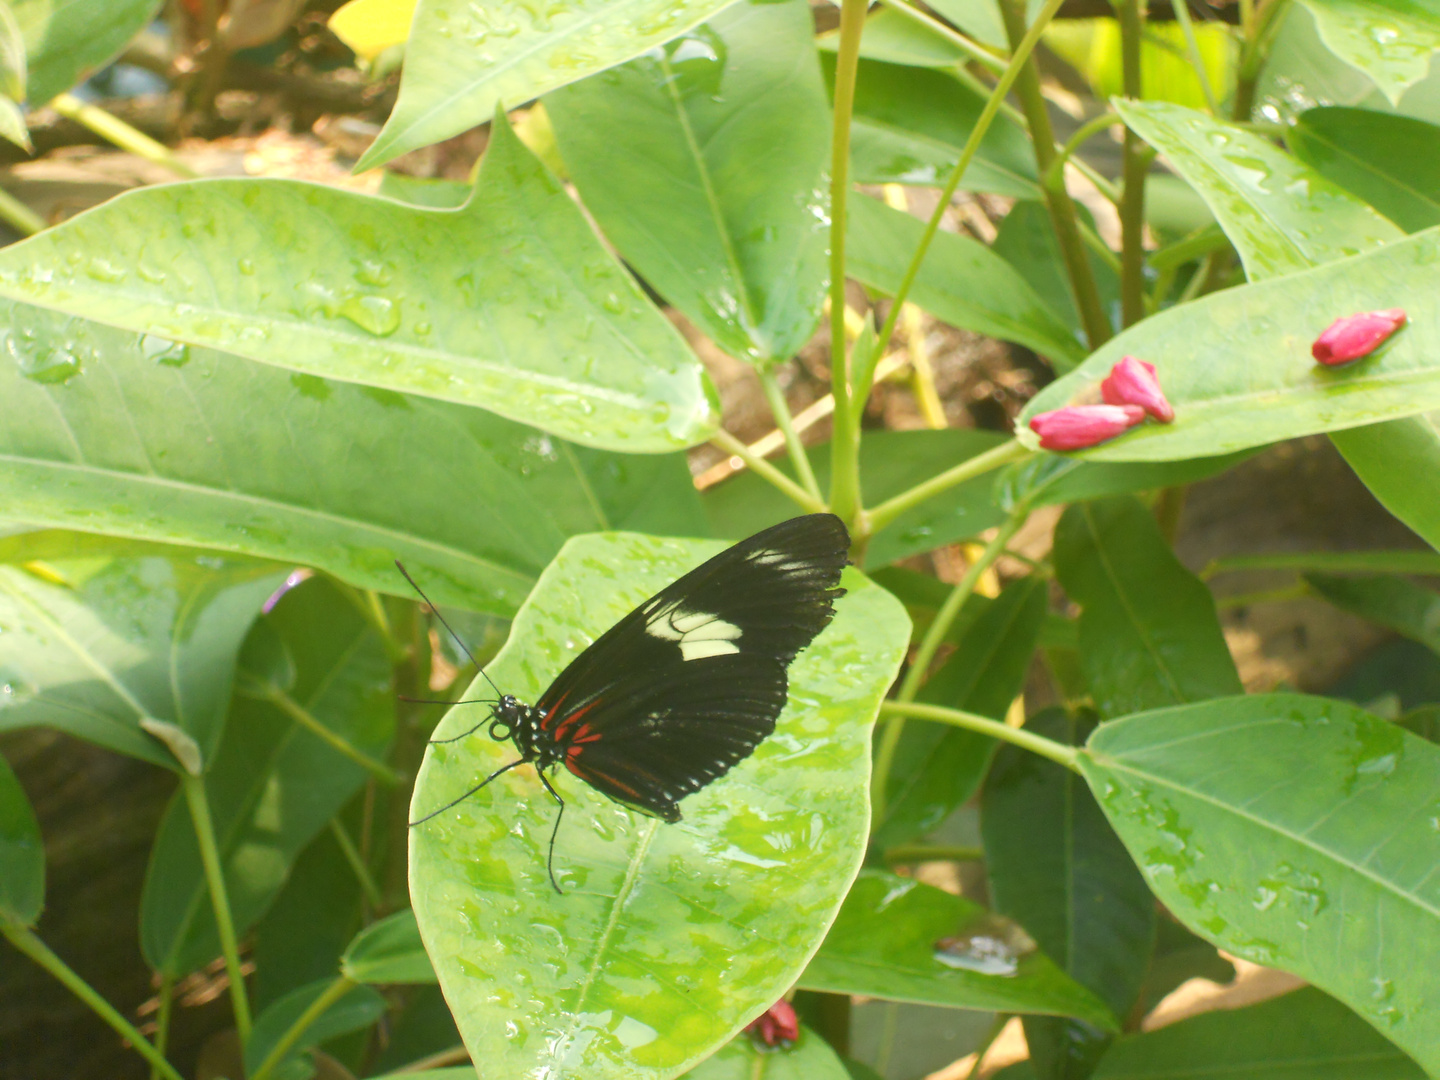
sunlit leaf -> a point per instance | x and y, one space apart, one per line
1391 41
66 41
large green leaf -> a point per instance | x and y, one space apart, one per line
120 648
22 854
509 302
1392 162
1149 635
273 784
650 959
1387 599
1391 41
937 767
250 458
1056 867
961 282
887 944
810 1058
463 59
1296 832
65 40
1303 1033
704 162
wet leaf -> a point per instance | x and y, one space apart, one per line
1149 635
740 1059
649 960
1303 1033
22 854
273 784
388 951
142 437
704 163
884 944
99 646
509 303
1391 41
1392 162
65 42
358 1008
463 59
1277 826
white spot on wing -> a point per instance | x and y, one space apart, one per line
702 650
699 633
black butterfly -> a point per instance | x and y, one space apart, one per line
685 686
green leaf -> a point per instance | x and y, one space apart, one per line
810 1058
1149 635
509 303
937 767
66 41
884 944
105 647
910 124
463 59
138 446
458 1072
1296 832
273 785
704 163
1397 461
649 960
979 18
12 63
1281 216
388 951
1303 1033
358 1008
1300 72
22 854
1391 41
12 124
1387 599
1392 162
1237 366
1056 867
893 38
1053 479
961 282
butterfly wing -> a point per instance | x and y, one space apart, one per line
688 684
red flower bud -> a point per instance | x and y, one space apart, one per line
1133 382
1077 426
777 1025
1355 336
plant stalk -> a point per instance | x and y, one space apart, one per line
357 864
911 853
973 50
968 469
1131 17
762 468
1059 753
306 719
199 804
117 132
19 216
316 1009
1192 48
28 943
162 1019
780 409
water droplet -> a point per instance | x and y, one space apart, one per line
990 945
43 363
374 273
246 267
376 315
15 689
106 271
164 351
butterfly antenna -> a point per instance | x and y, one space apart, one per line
550 860
436 611
473 790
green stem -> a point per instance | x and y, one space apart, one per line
1057 200
780 408
195 797
762 468
1026 740
1136 165
116 131
316 1009
974 51
1091 239
1083 134
1298 591
919 669
968 469
162 1019
845 430
19 216
26 941
1197 245
913 853
1338 562
1192 47
306 719
357 863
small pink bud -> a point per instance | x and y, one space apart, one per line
777 1025
1133 382
1077 426
1355 336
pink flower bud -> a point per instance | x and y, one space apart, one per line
777 1025
1077 426
1355 336
1133 382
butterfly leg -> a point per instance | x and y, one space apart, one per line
473 790
550 859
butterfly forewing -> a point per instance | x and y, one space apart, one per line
687 684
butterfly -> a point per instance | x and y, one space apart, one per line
684 687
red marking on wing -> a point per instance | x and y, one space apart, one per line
582 772
545 720
570 720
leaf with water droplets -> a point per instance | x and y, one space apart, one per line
670 937
1391 41
463 58
509 303
1295 832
